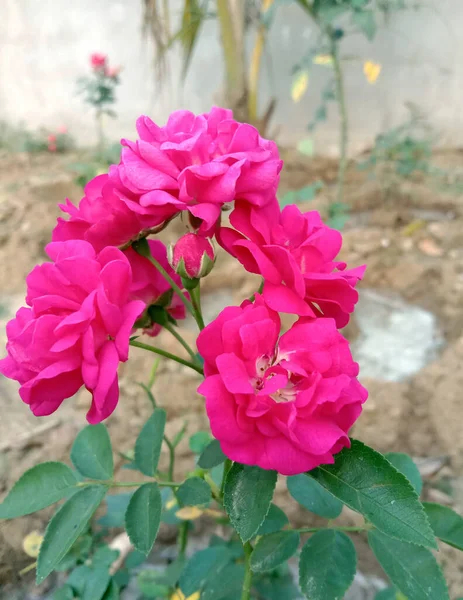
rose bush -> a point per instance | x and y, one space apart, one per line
278 402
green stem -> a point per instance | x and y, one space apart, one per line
179 338
226 468
171 448
142 248
183 539
166 354
154 370
171 484
338 78
196 301
315 529
246 591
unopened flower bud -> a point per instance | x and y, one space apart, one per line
192 257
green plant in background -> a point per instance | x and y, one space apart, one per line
20 139
99 90
335 21
95 163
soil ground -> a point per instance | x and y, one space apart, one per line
412 242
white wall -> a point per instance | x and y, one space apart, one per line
44 48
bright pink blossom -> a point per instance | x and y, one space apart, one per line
197 163
76 331
192 256
150 286
295 254
101 218
98 60
279 403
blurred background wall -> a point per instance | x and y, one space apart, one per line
44 48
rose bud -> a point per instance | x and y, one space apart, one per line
192 257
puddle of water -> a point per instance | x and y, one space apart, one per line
396 339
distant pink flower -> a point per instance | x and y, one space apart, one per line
192 256
98 60
51 137
112 71
76 331
62 129
101 218
200 163
285 403
150 286
52 147
295 254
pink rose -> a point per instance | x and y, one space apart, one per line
283 403
102 217
295 254
98 60
193 256
76 331
197 163
150 286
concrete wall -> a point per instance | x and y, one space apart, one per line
44 48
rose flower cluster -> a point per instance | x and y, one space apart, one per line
279 401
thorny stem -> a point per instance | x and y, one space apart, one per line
339 83
365 527
170 472
166 354
196 300
179 338
246 590
110 483
338 78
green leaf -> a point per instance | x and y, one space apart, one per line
78 578
148 444
149 585
327 565
199 441
247 498
37 488
96 584
274 521
364 480
115 513
224 584
273 549
312 496
412 569
66 525
200 566
403 463
446 524
104 556
211 456
143 517
194 491
365 21
91 452
134 559
64 593
306 146
112 592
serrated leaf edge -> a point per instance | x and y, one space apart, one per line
265 516
47 462
40 579
128 526
355 557
422 511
